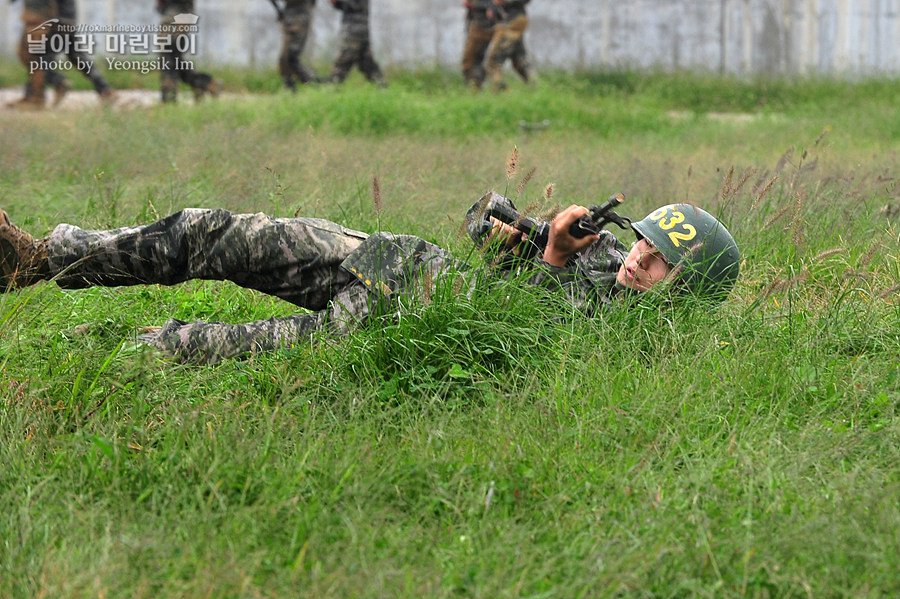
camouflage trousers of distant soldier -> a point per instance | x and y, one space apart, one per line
39 78
86 66
479 32
173 65
296 30
509 44
313 263
33 51
356 49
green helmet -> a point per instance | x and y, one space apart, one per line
697 245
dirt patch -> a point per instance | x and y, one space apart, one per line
725 117
84 100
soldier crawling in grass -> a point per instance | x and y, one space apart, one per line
341 274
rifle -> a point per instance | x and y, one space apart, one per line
278 10
538 231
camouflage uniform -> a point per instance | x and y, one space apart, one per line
34 14
356 47
479 31
338 273
171 55
295 23
67 15
509 43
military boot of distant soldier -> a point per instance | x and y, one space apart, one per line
34 98
213 87
23 259
26 103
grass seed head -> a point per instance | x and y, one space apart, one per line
775 217
825 254
376 194
867 257
889 292
763 192
512 163
521 187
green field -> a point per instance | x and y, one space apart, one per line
476 447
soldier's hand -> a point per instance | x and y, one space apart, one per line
560 243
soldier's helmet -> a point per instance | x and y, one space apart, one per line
700 249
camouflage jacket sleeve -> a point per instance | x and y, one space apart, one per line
587 281
386 263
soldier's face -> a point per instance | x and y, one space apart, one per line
643 268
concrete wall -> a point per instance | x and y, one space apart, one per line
841 37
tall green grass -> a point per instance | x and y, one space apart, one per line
485 446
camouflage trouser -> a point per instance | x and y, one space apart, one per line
509 44
296 30
478 38
209 342
173 65
356 49
84 63
298 260
30 51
